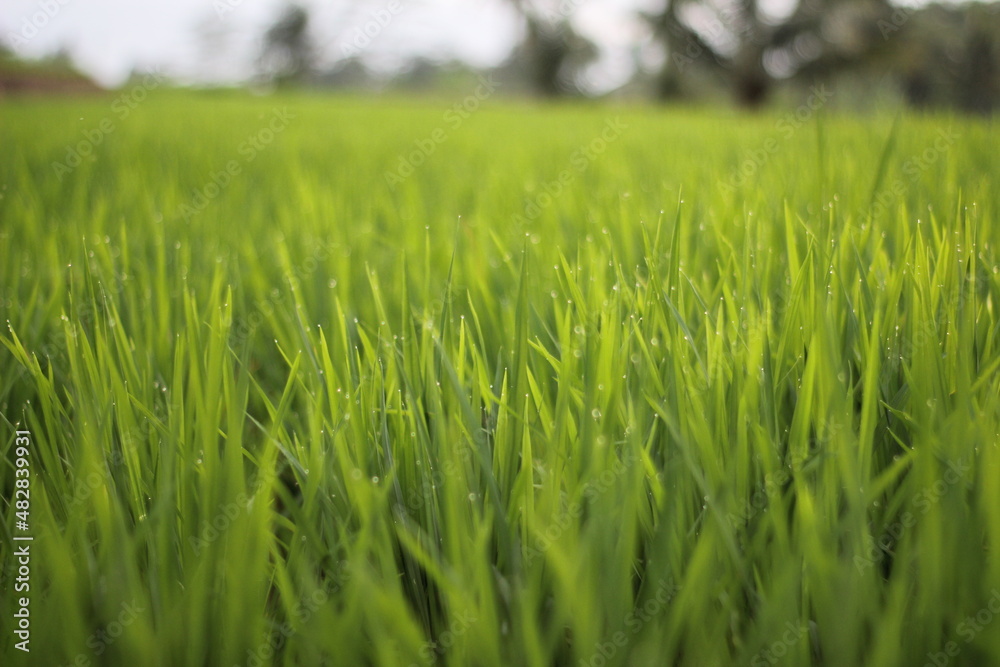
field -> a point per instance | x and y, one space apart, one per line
333 381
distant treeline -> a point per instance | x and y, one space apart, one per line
869 51
931 56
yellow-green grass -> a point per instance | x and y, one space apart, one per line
590 386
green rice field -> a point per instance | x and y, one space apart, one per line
304 380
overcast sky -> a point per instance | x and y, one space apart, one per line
110 38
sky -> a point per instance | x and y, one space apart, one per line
216 40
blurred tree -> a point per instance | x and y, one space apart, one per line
552 53
950 56
751 50
287 55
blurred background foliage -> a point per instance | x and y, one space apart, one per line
740 52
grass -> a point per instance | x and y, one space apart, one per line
728 394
